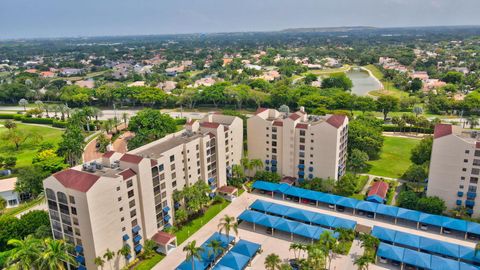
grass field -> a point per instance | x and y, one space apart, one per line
186 232
345 68
27 150
388 87
395 157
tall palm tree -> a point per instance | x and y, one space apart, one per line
272 262
228 223
256 164
54 255
369 243
296 248
216 249
192 252
125 117
25 253
328 244
99 262
149 248
363 262
124 251
109 255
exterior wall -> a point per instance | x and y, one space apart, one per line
453 173
10 196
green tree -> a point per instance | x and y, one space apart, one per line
453 77
192 252
124 251
72 144
357 161
363 262
25 254
408 199
228 223
267 176
337 80
309 78
421 153
149 248
387 104
272 262
108 256
23 102
30 180
3 204
33 220
328 244
346 185
416 174
11 228
365 134
103 142
149 125
18 137
215 248
432 205
181 216
99 262
55 253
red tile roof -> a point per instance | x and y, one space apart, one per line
442 130
379 188
153 162
260 110
163 238
302 126
294 116
209 124
336 120
127 173
108 154
77 180
131 158
210 134
288 180
227 189
278 123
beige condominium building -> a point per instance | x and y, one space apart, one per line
299 145
123 199
455 167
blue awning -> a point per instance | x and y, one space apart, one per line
211 195
80 259
384 234
375 199
286 225
268 221
128 257
187 265
222 238
441 263
221 267
347 202
246 248
454 224
301 166
210 180
323 220
344 223
387 210
79 249
430 219
301 215
166 209
267 186
367 206
138 248
137 238
136 229
301 173
282 187
390 252
166 218
125 237
250 216
407 239
418 259
408 214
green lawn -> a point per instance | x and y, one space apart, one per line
389 88
395 157
27 150
185 232
345 68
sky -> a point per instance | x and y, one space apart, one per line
72 18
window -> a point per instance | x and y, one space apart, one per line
467 151
465 160
120 209
133 213
197 147
302 147
301 161
131 203
160 168
134 223
172 158
50 194
464 169
475 171
130 194
274 150
462 178
172 167
174 175
274 157
74 210
473 180
301 154
302 140
274 143
477 153
129 183
472 188
62 197
162 186
119 198
164 194
302 132
174 184
118 188
72 199
267 128
461 187
122 219
274 136
476 162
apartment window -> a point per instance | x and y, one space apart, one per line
467 151
274 136
129 183
163 186
62 198
464 169
120 209
130 194
302 140
123 229
118 188
172 167
461 187
72 199
131 203
274 150
274 129
197 147
198 171
267 128
475 171
50 194
164 194
162 177
462 178
75 220
134 223
301 154
302 147
274 157
133 213
477 153
311 141
174 175
122 219
476 162
119 198
274 143
172 158
472 188
465 160
302 132
74 210
174 184
473 180
160 167
301 161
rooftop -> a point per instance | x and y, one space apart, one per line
8 184
156 149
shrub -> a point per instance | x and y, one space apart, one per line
44 121
18 117
59 124
6 116
180 121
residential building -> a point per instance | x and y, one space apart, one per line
90 83
8 193
123 199
455 167
299 145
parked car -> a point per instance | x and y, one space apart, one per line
340 208
423 227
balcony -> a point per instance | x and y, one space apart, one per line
138 248
125 237
136 229
137 238
301 166
79 249
80 259
460 194
301 173
310 169
469 203
459 202
166 218
166 209
471 195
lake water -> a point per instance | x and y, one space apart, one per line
362 82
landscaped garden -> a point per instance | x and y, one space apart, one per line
394 158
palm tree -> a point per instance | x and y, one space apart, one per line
216 249
363 262
125 117
238 171
99 261
417 110
473 121
256 164
149 248
54 255
272 262
47 109
109 255
327 244
246 165
295 247
369 243
25 253
124 251
192 252
228 223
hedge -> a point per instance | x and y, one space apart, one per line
44 121
18 117
393 128
180 121
59 124
6 115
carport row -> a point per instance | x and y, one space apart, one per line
445 224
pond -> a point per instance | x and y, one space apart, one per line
362 82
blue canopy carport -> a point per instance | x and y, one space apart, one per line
384 234
222 238
367 207
384 210
454 224
344 223
312 196
375 199
250 216
390 252
260 205
246 248
308 231
234 260
263 186
294 193
408 215
347 203
286 225
197 265
466 266
439 247
407 240
417 259
277 209
473 229
268 221
300 215
430 220
440 263
222 267
323 220
467 254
